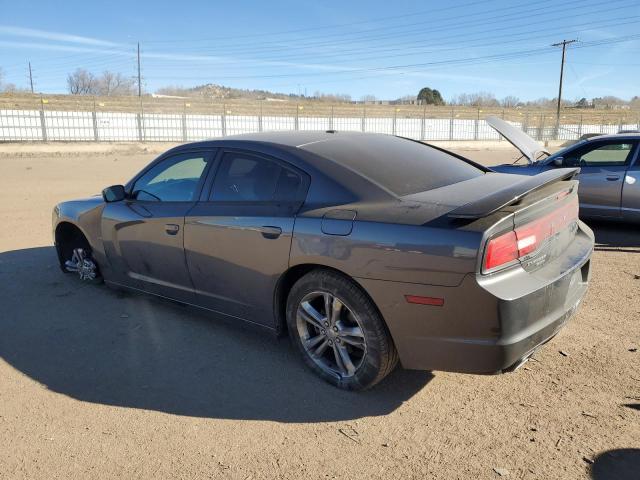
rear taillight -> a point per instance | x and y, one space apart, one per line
506 249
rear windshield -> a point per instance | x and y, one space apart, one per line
399 165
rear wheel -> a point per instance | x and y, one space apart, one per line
339 332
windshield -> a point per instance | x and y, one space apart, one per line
562 152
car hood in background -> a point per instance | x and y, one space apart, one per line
523 142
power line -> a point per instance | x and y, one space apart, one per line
324 27
467 43
457 61
334 41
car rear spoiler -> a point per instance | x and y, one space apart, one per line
508 196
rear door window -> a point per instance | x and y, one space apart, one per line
244 177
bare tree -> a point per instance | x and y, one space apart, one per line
81 82
368 98
479 99
509 101
110 83
8 87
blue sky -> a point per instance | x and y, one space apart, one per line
387 49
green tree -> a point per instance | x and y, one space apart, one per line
582 103
430 96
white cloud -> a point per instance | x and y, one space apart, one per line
55 36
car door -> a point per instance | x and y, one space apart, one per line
237 239
144 234
603 165
630 205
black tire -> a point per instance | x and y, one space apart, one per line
380 356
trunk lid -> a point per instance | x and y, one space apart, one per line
529 148
523 220
500 196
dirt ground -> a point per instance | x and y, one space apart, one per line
100 384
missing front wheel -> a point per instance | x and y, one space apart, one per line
82 264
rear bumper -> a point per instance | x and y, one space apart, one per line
487 324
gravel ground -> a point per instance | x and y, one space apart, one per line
96 383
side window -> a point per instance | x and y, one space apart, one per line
175 179
248 178
602 155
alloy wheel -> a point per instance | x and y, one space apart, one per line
331 334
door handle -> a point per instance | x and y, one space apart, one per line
613 178
171 228
270 232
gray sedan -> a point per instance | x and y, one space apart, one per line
609 169
368 249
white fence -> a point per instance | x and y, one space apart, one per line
92 126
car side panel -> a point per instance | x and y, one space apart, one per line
487 323
407 253
235 259
85 214
600 190
630 205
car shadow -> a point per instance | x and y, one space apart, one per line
612 236
619 464
99 345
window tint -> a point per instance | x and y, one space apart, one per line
172 180
608 154
247 178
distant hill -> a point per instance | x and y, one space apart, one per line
220 92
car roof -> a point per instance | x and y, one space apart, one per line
614 136
373 157
297 138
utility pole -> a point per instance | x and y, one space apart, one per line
139 76
564 44
30 77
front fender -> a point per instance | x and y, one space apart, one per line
84 214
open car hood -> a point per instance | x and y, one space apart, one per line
516 137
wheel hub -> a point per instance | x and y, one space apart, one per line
81 264
331 334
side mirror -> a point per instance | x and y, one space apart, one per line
558 162
114 193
